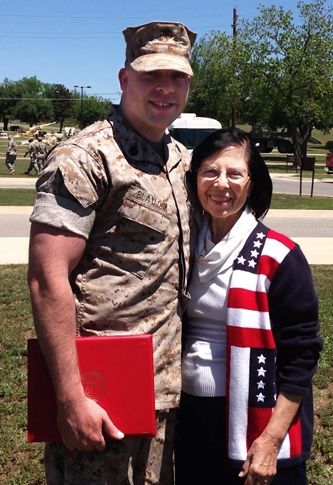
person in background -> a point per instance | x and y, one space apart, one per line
40 153
251 345
11 154
109 253
32 153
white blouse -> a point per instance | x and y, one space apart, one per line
204 358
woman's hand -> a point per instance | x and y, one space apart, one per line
260 464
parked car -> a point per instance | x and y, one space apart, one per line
329 157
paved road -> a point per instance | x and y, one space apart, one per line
287 185
301 223
282 184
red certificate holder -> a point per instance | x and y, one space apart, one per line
117 372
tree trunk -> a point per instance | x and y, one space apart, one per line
304 147
5 123
297 147
301 135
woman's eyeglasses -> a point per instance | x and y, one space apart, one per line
212 174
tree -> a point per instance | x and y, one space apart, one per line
32 106
61 102
290 72
93 109
31 111
216 85
9 97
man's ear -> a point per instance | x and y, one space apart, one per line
123 77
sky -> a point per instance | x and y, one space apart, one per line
80 42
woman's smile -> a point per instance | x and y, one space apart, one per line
220 196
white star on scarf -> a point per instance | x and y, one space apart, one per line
261 385
252 264
261 372
261 359
241 260
260 397
254 254
257 244
260 235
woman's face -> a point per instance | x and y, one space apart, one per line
224 185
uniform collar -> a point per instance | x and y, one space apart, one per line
135 147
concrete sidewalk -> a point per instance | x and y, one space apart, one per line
27 182
318 250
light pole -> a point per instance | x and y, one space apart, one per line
82 88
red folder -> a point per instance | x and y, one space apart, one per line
117 372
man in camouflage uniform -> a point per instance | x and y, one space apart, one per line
40 153
32 153
11 154
111 225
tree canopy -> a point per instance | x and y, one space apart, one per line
277 71
61 102
293 66
32 101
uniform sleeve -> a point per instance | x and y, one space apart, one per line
70 190
293 307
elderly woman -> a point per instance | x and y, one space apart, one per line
251 344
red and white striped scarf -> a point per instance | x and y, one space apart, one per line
251 350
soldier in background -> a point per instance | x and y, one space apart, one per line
109 254
11 154
41 153
33 160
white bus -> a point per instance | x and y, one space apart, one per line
190 129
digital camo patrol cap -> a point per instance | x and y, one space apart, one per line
159 45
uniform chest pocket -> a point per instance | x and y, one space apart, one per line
147 216
142 234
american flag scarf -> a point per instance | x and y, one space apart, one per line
251 350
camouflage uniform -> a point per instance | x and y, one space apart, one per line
40 153
124 462
33 161
11 155
108 185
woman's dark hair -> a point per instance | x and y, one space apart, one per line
261 195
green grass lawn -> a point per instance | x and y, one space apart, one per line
305 202
27 197
22 463
21 166
20 197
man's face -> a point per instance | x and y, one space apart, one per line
151 101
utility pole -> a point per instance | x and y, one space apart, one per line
234 33
82 88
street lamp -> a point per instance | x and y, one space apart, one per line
82 88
